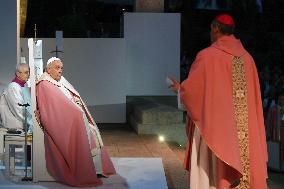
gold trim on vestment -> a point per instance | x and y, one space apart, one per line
241 117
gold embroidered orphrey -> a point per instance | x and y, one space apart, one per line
241 117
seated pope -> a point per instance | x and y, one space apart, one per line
74 151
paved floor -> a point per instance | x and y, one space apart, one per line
122 141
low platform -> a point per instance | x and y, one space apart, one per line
132 173
159 116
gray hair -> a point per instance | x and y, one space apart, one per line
48 66
20 65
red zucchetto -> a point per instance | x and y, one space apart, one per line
225 19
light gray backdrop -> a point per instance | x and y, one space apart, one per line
106 70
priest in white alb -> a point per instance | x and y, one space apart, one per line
12 115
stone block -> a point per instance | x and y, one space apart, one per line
157 114
171 132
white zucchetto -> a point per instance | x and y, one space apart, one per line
51 60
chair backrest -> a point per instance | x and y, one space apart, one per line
39 164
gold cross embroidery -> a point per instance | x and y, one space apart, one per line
240 93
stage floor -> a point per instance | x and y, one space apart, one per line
123 143
132 173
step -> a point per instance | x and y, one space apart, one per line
157 114
174 132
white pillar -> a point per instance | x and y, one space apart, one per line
39 164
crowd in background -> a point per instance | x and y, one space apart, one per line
272 89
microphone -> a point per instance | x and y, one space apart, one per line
25 105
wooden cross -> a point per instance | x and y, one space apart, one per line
56 51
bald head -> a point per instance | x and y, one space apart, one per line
23 72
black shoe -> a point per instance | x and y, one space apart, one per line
101 176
